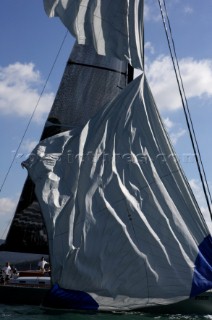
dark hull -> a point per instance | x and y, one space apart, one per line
12 294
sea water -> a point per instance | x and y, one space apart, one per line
36 313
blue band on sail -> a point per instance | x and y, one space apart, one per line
59 298
202 279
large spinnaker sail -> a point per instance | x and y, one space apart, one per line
70 109
123 224
114 28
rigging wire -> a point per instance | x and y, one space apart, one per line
172 49
34 110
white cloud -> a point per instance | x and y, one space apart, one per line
7 210
149 47
174 131
28 145
168 123
146 11
175 136
207 217
188 10
196 75
26 148
7 206
151 12
20 90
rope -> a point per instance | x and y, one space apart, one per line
168 31
32 115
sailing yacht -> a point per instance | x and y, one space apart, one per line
122 228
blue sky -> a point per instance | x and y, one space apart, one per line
29 44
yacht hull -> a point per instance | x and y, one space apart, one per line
25 290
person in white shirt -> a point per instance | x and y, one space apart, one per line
42 263
6 271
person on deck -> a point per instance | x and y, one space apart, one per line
41 264
6 270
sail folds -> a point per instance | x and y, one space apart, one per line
122 222
112 27
70 109
124 228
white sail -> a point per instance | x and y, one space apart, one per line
124 228
112 27
122 222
